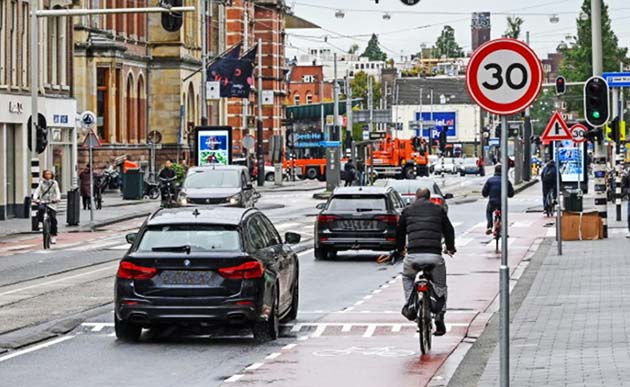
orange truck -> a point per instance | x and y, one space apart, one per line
401 158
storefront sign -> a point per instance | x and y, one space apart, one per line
214 145
60 118
443 121
16 107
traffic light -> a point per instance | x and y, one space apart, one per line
613 133
41 134
288 138
171 21
443 140
596 111
561 86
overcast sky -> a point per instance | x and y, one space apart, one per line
401 32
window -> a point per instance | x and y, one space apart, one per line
272 233
255 235
102 103
309 99
308 79
13 42
357 203
52 50
198 237
296 99
3 53
61 51
25 44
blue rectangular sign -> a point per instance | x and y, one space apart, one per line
443 121
330 144
617 79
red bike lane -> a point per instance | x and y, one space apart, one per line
369 343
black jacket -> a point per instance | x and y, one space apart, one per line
425 223
167 173
492 190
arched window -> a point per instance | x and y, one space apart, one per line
130 109
141 110
191 112
309 99
296 99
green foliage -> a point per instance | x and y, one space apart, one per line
373 51
513 27
360 88
446 44
541 111
353 49
180 172
577 63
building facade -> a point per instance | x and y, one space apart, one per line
307 86
54 102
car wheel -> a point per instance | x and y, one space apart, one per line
127 331
462 173
270 176
321 254
312 173
332 254
295 300
268 330
409 173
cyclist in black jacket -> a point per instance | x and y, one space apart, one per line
420 229
492 191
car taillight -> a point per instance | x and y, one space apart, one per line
422 287
326 218
247 270
438 201
128 270
389 219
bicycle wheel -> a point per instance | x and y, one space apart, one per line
428 318
424 324
46 233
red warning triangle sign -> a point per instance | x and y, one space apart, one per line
556 130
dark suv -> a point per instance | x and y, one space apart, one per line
207 266
357 218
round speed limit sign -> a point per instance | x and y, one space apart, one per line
504 76
578 132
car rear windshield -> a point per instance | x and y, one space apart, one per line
212 179
198 237
357 203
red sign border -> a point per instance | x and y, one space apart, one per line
530 95
571 132
556 116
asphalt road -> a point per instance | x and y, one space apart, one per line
35 288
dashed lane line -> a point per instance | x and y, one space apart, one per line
35 348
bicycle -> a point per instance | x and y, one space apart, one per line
496 229
550 203
168 192
43 211
422 286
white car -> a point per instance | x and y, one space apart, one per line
445 165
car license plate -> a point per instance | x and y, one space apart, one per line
352 225
186 277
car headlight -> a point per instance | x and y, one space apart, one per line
183 198
235 199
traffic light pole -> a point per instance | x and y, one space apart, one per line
34 111
260 157
599 155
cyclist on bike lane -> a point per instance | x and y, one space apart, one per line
548 178
48 192
420 229
492 191
167 173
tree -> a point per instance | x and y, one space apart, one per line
541 111
373 50
360 88
446 44
513 28
577 63
353 49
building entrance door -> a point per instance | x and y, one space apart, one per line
11 173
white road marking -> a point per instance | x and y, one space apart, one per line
521 224
233 378
376 291
124 246
285 226
97 327
254 366
111 267
461 242
359 303
368 297
346 327
369 331
289 347
296 328
35 348
273 356
396 327
457 224
319 330
15 247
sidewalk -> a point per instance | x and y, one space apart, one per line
570 329
115 209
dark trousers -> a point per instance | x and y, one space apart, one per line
490 208
86 202
53 220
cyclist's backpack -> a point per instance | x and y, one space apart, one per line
549 175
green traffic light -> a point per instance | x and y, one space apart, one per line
596 115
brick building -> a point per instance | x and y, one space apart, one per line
305 86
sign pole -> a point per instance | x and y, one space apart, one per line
90 156
559 196
504 271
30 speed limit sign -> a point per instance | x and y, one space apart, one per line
578 132
504 76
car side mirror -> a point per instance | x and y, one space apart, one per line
320 206
292 238
448 196
131 237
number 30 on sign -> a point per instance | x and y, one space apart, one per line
504 76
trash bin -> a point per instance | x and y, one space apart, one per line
73 211
133 184
573 200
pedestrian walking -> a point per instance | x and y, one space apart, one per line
86 194
360 172
350 171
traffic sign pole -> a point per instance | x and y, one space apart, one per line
504 77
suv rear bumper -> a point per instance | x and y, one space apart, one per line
349 243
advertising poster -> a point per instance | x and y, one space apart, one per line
443 121
571 158
214 145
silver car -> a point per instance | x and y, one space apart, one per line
407 189
226 185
